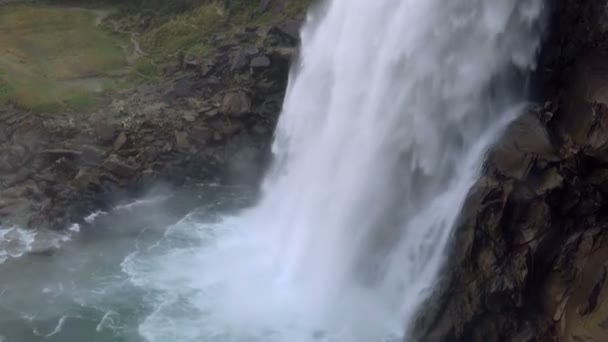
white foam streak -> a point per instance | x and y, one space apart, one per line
92 217
107 322
58 327
14 242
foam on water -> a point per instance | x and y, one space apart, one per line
92 217
384 126
16 241
56 330
107 322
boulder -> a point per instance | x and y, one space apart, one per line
288 31
236 103
260 62
105 132
238 61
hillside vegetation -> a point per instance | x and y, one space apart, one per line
169 32
53 58
56 58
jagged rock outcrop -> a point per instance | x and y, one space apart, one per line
529 258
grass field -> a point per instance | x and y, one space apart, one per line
54 58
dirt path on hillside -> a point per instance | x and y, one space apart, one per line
132 54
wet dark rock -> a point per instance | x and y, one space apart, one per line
239 61
183 87
524 256
288 31
528 260
524 141
260 62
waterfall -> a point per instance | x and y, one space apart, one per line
387 116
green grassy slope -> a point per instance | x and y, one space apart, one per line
50 57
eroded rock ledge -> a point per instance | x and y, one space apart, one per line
529 260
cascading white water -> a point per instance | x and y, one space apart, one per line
384 125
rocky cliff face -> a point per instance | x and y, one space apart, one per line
212 120
529 260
